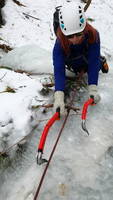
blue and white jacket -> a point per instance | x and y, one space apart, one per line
93 59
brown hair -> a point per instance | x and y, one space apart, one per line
89 30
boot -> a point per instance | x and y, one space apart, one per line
105 67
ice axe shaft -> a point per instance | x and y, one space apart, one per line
85 107
84 113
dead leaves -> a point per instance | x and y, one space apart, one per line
5 48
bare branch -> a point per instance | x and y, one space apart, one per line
3 76
24 138
51 105
87 5
27 15
48 85
18 3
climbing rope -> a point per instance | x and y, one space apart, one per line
73 93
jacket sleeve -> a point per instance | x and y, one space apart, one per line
94 62
59 66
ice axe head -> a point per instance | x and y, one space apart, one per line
39 159
84 126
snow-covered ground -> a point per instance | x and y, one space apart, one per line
82 166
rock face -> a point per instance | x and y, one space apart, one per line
2 4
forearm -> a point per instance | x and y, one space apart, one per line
59 67
60 79
93 76
93 64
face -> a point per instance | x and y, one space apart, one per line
76 38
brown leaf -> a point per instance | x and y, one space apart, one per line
5 47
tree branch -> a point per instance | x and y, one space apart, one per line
18 3
51 105
27 15
87 5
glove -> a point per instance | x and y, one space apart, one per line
93 92
59 102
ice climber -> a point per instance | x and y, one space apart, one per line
77 46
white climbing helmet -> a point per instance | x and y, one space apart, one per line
72 18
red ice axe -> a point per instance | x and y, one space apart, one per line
84 113
55 117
